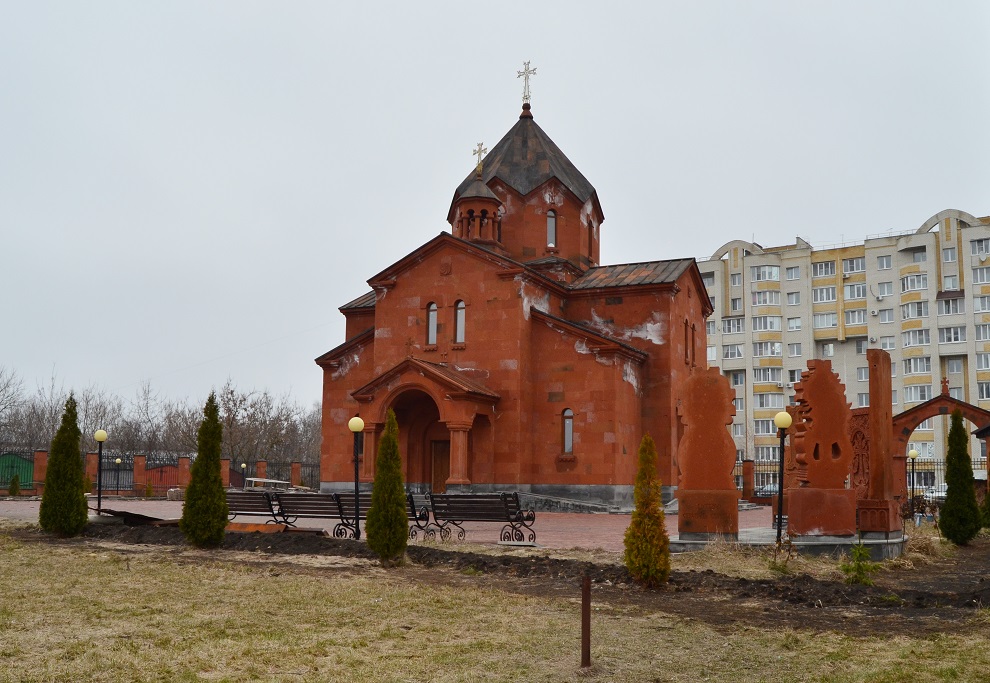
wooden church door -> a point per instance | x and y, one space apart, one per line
440 451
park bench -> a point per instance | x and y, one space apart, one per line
419 520
251 504
293 506
453 509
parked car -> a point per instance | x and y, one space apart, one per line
766 491
936 494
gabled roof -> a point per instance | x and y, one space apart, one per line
632 274
457 384
524 159
330 356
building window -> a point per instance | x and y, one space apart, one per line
794 273
983 361
856 316
735 279
735 305
823 269
568 423
855 291
926 425
764 323
861 347
887 343
764 427
863 400
981 276
854 265
916 309
951 335
793 298
885 289
949 255
886 315
862 374
919 256
708 279
883 262
769 297
712 354
827 350
922 365
915 393
893 397
459 319
980 247
950 283
710 327
738 430
913 283
551 228
793 324
823 294
766 375
793 350
821 321
739 404
951 306
916 338
957 393
732 351
954 366
768 400
431 323
984 388
738 378
765 273
733 325
766 349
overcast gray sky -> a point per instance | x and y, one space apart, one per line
189 190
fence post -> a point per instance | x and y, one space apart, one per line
183 471
295 476
92 468
40 470
140 479
261 469
749 475
225 472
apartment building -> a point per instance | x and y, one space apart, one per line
923 296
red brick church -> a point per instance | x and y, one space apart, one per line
512 359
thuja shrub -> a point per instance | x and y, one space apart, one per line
14 487
204 509
388 524
960 519
63 504
647 545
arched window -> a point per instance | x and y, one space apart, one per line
431 323
568 424
551 228
459 318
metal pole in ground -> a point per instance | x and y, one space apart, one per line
586 622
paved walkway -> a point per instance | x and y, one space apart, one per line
553 529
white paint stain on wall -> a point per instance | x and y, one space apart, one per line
532 298
347 363
581 346
383 332
508 364
631 375
652 329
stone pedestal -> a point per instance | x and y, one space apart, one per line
881 516
821 512
703 515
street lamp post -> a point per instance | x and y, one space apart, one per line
912 456
117 463
356 425
243 475
100 437
782 420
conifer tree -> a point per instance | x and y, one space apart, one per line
387 523
204 512
647 545
63 504
959 519
14 487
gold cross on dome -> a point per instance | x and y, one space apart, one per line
525 74
480 151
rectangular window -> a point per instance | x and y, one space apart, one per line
885 289
827 350
793 376
854 265
957 393
983 332
893 397
768 400
887 343
768 297
735 279
793 350
708 279
735 305
738 430
983 361
949 255
950 283
979 247
981 304
915 393
732 351
712 354
766 349
739 403
823 269
764 323
857 291
914 283
863 400
821 321
886 315
733 325
856 316
766 375
793 298
883 262
737 378
764 427
984 389
981 276
915 309
765 453
823 294
916 338
794 273
919 256
765 273
951 335
954 366
710 327
862 374
861 347
926 425
893 368
793 324
922 365
951 306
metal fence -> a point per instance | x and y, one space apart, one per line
19 464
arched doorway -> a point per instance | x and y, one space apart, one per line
424 441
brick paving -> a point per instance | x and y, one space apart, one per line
562 530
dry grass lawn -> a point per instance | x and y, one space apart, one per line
92 612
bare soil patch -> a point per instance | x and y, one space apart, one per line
943 596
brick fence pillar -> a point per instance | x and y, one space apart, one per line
295 476
261 469
225 472
749 477
140 474
93 468
183 471
40 470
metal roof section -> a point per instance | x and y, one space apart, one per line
633 274
363 301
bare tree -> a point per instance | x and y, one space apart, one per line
11 391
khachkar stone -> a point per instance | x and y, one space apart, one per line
707 498
821 504
878 511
